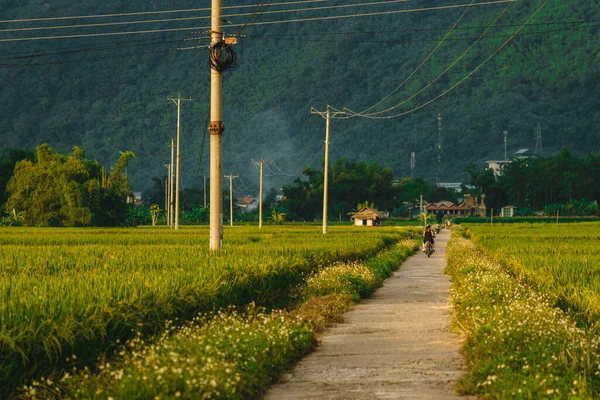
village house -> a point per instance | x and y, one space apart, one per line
473 205
246 204
368 217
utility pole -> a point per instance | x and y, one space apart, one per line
230 176
216 129
327 115
505 153
412 164
439 148
422 216
538 140
260 190
178 101
167 212
171 186
326 172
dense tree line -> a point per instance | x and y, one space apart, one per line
563 183
55 189
353 183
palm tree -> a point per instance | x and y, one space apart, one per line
277 217
360 206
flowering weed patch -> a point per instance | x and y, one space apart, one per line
517 344
81 291
559 260
227 354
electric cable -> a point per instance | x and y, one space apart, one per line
400 41
87 49
258 168
241 182
140 42
285 3
456 61
423 62
414 10
469 74
81 60
407 30
305 148
252 16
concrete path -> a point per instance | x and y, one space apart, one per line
396 345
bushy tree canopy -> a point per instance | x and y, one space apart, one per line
68 190
543 183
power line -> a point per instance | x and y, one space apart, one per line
241 181
139 43
386 31
76 50
81 60
373 115
152 12
252 16
396 41
414 10
423 62
436 8
472 72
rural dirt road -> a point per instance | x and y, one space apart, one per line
396 345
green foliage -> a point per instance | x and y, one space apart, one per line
517 344
562 183
559 260
225 354
277 217
8 159
546 75
66 190
13 219
351 184
68 292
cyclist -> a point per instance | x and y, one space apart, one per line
428 236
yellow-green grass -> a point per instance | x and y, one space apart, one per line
562 261
80 291
517 344
228 354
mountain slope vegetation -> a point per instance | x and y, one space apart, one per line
109 94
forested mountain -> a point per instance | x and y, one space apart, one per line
109 94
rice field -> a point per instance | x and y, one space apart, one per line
525 299
68 296
562 261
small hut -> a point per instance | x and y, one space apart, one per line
368 217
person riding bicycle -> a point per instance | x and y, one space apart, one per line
428 236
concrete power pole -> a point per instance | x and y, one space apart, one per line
505 153
167 213
439 148
412 164
230 176
327 115
178 101
538 140
216 129
171 186
260 189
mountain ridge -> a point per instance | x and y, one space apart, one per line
115 99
